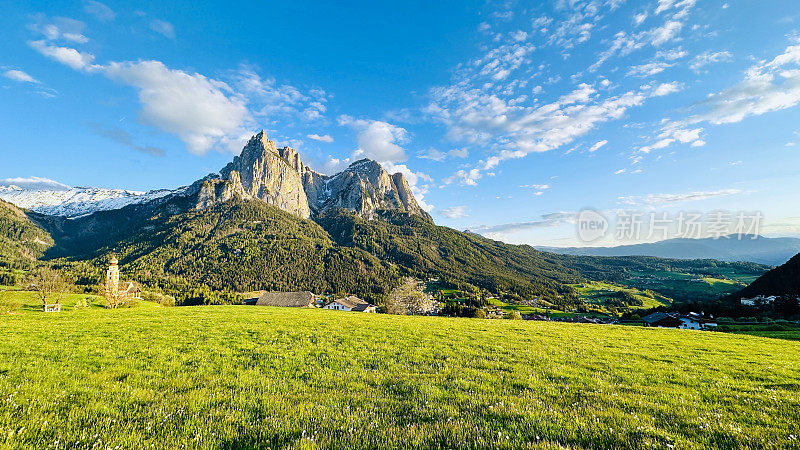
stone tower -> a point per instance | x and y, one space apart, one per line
112 278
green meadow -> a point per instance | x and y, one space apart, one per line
244 376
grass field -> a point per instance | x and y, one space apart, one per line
597 293
239 376
679 285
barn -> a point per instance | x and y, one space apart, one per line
302 299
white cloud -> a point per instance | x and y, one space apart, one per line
59 28
454 212
458 153
377 140
767 87
666 199
649 69
672 132
272 99
65 55
474 116
547 221
163 28
34 183
18 75
324 138
666 33
99 10
671 55
464 177
707 58
76 38
437 155
202 112
598 145
625 43
666 89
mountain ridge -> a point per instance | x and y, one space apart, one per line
276 176
762 250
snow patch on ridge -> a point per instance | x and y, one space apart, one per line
77 201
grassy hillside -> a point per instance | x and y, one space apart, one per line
21 241
463 259
237 376
247 246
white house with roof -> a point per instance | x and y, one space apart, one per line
351 303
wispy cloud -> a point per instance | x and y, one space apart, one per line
163 28
668 199
454 212
18 75
100 11
598 145
123 137
324 138
706 58
546 221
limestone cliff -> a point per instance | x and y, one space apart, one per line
262 172
278 177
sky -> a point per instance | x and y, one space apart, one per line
507 118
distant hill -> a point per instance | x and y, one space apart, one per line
21 240
781 280
762 250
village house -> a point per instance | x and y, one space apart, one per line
662 320
351 303
303 299
691 321
759 300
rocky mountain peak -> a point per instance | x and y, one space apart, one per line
261 172
279 177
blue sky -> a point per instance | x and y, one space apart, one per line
507 117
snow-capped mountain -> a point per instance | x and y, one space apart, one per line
75 201
262 171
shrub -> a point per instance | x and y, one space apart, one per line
480 314
157 297
513 315
9 302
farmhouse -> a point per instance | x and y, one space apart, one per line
662 319
759 300
303 299
351 303
691 321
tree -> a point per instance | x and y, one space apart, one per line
408 298
50 285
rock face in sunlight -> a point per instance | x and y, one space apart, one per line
261 172
278 177
365 187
